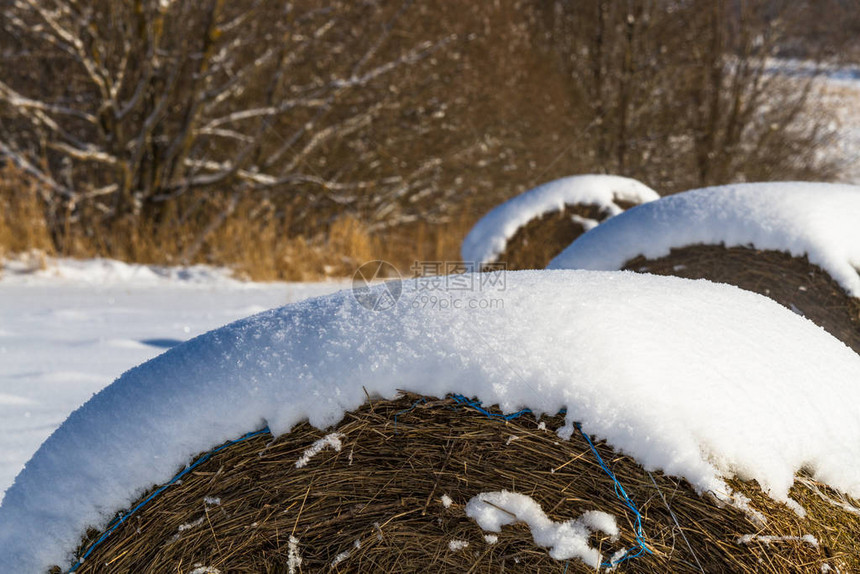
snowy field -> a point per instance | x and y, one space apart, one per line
67 332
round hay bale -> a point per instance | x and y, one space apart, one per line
794 282
535 244
795 242
392 498
527 231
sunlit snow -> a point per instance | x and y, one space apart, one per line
819 220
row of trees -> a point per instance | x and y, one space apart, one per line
181 110
686 87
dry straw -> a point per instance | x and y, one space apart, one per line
537 242
378 504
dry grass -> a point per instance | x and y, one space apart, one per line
22 221
237 511
791 281
251 237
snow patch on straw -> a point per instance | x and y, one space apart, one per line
190 525
332 440
768 540
294 559
566 540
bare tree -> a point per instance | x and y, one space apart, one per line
679 94
177 118
161 99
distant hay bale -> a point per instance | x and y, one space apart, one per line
387 494
793 282
528 230
536 243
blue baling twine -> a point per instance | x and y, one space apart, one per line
118 521
477 406
398 413
633 552
640 548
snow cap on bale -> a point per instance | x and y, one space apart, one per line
702 380
819 220
489 237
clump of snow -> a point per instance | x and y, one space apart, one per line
566 540
701 380
446 501
819 220
340 558
345 554
798 509
457 545
489 237
741 502
768 539
204 570
491 538
332 441
294 558
190 525
211 500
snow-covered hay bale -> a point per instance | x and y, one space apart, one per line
526 232
694 380
394 484
797 243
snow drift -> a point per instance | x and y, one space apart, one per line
701 380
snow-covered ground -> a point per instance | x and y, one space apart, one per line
68 331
